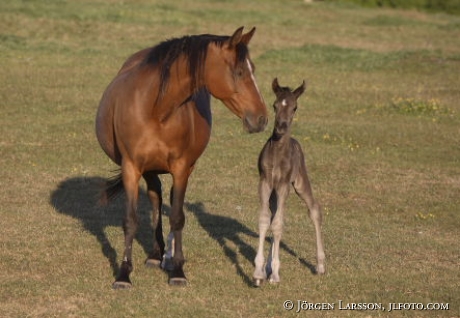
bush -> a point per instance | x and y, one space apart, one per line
448 6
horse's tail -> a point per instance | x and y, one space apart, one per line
112 189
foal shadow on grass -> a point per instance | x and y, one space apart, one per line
78 197
225 229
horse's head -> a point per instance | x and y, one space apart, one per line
229 76
285 106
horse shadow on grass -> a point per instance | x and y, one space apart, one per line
225 229
78 197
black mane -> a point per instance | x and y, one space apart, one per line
194 48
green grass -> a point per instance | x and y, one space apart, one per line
378 123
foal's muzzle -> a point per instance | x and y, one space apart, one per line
281 127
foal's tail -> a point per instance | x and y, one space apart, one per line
112 188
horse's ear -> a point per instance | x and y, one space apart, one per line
248 36
275 86
236 37
299 90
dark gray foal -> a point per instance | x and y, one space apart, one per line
282 163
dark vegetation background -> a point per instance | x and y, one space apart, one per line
448 6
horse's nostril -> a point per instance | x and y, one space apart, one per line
263 121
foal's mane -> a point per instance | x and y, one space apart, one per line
194 49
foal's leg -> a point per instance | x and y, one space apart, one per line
264 224
131 178
177 221
277 229
154 193
303 189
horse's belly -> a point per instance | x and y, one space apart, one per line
164 147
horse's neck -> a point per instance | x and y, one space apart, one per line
178 91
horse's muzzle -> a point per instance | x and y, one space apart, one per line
253 126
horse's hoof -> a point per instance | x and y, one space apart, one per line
122 285
152 263
178 281
258 282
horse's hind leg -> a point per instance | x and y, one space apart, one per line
155 196
131 178
303 189
264 223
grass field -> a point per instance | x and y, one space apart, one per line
379 124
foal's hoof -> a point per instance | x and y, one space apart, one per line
152 263
122 285
258 282
320 270
274 280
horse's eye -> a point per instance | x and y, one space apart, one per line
295 108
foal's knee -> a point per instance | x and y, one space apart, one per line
277 227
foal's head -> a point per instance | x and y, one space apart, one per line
285 107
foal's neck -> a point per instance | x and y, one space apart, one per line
281 141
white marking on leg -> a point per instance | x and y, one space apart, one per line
166 263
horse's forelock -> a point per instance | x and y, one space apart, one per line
242 52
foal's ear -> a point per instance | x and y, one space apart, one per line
236 37
275 86
299 90
248 36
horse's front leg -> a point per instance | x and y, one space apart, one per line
177 221
131 178
155 196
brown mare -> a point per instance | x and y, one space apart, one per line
282 163
155 118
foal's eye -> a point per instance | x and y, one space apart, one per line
295 108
